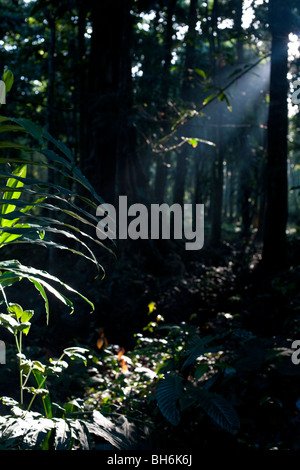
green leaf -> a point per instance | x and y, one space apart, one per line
8 79
76 353
8 401
40 380
26 200
201 73
37 433
31 273
63 434
42 392
208 99
11 128
42 291
81 433
201 370
16 309
223 97
73 406
168 393
197 347
9 322
14 145
24 327
119 437
60 145
8 279
220 410
193 142
12 183
33 129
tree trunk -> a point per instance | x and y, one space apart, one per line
217 183
131 179
82 77
163 159
274 246
51 72
217 164
103 99
187 95
180 176
113 166
188 85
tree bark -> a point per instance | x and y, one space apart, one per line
217 164
163 159
274 246
51 71
82 80
103 96
112 166
187 95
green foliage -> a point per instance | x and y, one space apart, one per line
27 430
8 79
58 428
179 370
168 393
25 200
54 429
27 205
178 391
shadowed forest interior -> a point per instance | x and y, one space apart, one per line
137 342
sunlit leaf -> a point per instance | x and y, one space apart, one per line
8 79
151 307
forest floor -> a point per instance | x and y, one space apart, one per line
215 291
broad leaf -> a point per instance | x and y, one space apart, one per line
168 393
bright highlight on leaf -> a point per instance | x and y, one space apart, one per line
8 79
151 307
35 211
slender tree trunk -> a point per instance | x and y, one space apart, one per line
274 247
82 80
239 31
187 95
163 159
244 151
188 85
161 176
217 164
131 179
217 184
245 182
50 101
103 99
51 72
180 177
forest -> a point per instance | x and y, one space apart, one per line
150 226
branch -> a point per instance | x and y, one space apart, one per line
189 115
